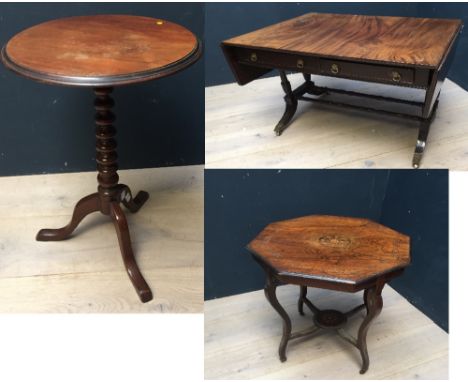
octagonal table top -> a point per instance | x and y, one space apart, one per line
101 50
332 249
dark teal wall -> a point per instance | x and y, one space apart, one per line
240 203
50 129
417 203
225 20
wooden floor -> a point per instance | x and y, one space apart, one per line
240 121
242 335
86 273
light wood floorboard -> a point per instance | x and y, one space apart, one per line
242 335
239 133
86 272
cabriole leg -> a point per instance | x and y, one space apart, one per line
300 302
270 293
374 304
85 206
133 204
121 227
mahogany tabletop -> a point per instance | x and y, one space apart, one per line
101 50
331 248
422 42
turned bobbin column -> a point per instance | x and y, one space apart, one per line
105 54
106 147
110 194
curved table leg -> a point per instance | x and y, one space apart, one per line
422 137
85 206
120 223
374 304
133 204
366 293
291 104
270 294
300 302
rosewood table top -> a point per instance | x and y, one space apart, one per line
344 251
101 50
396 40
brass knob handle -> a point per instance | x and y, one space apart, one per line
300 64
396 76
253 57
334 69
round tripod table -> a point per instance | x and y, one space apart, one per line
101 52
330 252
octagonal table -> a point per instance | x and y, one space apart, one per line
330 252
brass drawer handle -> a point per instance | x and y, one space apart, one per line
396 77
334 69
300 64
253 57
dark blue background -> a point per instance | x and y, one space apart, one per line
240 203
228 20
49 129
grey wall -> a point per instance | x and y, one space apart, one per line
240 203
50 129
228 20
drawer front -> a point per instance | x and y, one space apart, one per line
277 60
336 68
378 73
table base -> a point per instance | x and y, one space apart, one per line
310 89
109 196
328 319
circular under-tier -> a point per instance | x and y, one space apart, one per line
101 50
330 319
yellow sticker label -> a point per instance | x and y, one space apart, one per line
159 22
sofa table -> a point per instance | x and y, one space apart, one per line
330 252
101 52
402 51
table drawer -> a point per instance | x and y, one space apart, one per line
277 60
378 73
389 74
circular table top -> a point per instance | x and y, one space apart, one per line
331 248
101 50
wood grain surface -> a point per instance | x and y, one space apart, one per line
333 248
85 274
242 333
238 126
401 40
101 46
